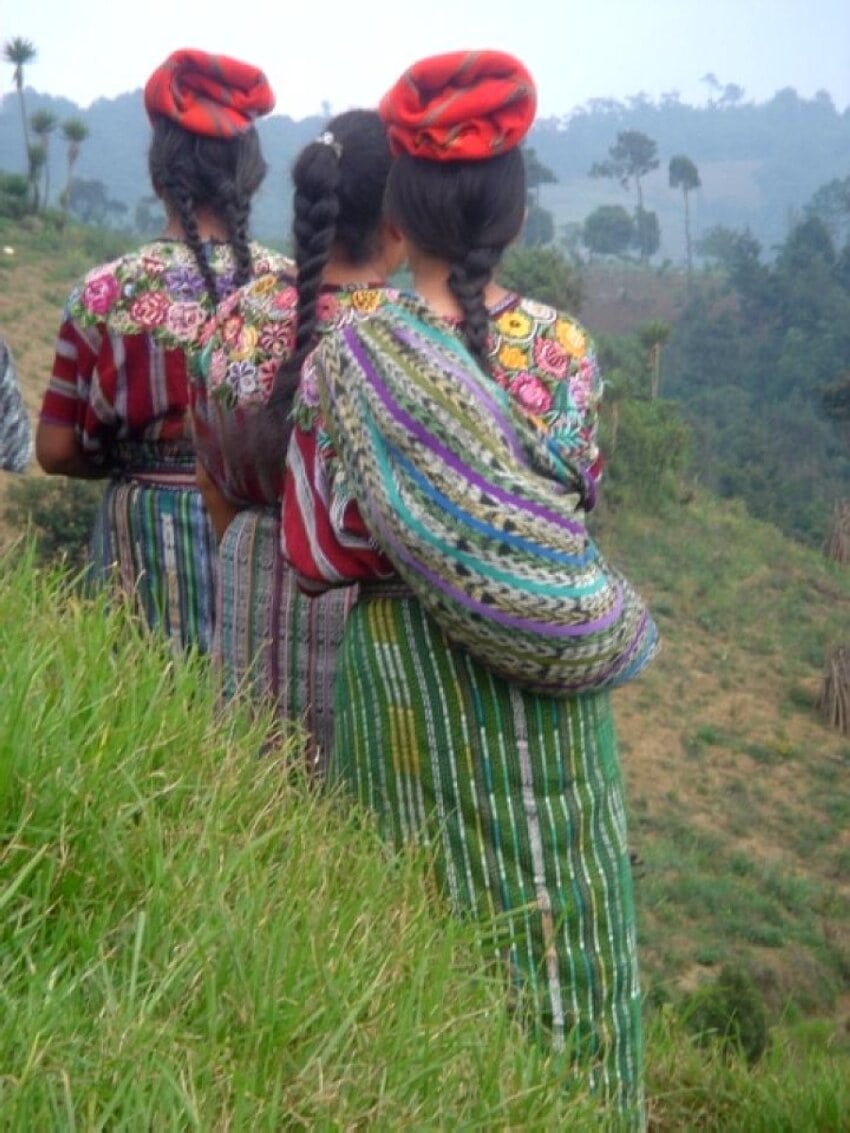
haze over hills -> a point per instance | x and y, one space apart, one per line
759 163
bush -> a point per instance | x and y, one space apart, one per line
730 1012
60 513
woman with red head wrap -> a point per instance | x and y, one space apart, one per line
116 404
516 792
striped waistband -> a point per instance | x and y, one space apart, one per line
173 478
389 588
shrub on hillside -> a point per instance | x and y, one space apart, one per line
730 1012
59 513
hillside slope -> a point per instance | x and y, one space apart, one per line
739 792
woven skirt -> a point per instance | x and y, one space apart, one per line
158 544
273 644
518 799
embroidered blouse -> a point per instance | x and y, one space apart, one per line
543 358
232 374
120 372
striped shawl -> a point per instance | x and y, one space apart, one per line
478 512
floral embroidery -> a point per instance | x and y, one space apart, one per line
514 324
367 301
100 292
513 358
149 310
550 357
159 290
531 393
573 340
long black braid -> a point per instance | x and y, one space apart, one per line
337 208
466 213
190 172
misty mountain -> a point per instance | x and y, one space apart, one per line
759 163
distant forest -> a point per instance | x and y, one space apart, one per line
758 164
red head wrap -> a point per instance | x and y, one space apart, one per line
462 106
211 95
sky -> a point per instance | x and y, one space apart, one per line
340 53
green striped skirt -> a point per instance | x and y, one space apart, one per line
157 543
519 800
273 644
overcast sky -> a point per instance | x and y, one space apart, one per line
348 53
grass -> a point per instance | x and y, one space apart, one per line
191 937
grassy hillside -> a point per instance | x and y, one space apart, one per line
739 792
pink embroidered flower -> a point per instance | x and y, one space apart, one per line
231 329
531 393
100 293
207 331
218 368
285 299
150 309
327 308
183 320
584 384
265 378
152 265
276 339
550 357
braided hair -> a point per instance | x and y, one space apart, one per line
337 205
466 213
190 171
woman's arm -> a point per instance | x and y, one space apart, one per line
59 452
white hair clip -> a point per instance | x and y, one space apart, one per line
327 139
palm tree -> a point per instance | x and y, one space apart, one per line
653 336
684 175
75 132
37 159
19 52
43 123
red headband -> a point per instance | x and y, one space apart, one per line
211 95
466 105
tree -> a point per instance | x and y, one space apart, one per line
37 162
14 195
539 227
544 274
631 157
88 201
75 132
536 174
831 203
608 231
684 175
19 52
653 337
43 124
647 237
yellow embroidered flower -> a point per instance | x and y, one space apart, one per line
573 340
366 301
513 358
246 345
514 324
264 285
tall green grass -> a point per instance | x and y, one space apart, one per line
191 937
